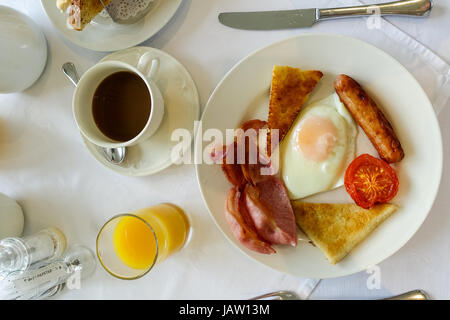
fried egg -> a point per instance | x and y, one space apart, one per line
318 148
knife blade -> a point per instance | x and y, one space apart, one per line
302 18
270 20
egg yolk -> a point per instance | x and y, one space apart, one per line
316 138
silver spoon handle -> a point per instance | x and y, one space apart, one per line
281 295
71 72
406 8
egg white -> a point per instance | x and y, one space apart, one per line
304 177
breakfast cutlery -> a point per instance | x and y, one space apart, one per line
290 295
113 155
411 295
302 18
71 72
281 295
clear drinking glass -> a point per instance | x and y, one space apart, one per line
130 244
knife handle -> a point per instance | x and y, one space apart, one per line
417 8
411 295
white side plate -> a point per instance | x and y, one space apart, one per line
104 35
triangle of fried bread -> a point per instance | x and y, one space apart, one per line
290 89
337 228
83 11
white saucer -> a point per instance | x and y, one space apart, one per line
102 34
182 108
23 51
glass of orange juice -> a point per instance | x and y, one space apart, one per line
130 244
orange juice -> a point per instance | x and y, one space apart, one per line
138 243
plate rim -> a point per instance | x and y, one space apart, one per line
94 47
334 35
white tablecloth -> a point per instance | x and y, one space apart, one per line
44 165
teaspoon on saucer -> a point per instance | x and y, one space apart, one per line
113 155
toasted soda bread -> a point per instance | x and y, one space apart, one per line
337 228
83 11
290 89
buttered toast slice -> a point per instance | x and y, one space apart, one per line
337 228
83 11
289 91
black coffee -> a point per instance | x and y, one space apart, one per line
121 106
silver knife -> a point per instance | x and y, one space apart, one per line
302 18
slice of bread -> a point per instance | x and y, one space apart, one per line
290 89
83 11
337 228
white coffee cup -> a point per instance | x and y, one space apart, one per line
84 93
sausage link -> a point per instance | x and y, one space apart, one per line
370 118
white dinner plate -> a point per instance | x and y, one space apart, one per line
102 34
243 94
